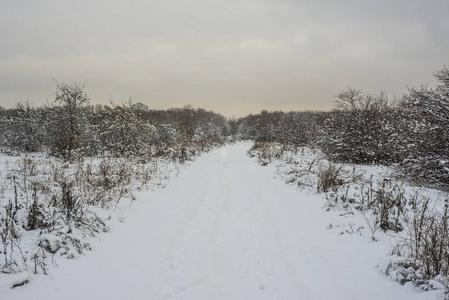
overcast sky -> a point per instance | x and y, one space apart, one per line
231 56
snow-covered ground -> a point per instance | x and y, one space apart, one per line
225 228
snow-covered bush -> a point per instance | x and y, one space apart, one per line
22 130
361 129
123 131
428 154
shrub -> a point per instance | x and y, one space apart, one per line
328 177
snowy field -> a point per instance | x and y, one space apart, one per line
225 228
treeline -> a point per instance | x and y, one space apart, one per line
411 131
71 127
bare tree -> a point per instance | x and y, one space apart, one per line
69 118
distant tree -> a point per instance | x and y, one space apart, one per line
210 125
69 121
233 126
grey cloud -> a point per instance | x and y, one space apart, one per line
234 57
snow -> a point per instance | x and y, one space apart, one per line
225 228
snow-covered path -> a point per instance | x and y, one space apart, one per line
225 229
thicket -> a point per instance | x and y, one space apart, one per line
72 128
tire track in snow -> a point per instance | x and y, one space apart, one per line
230 243
270 247
192 256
